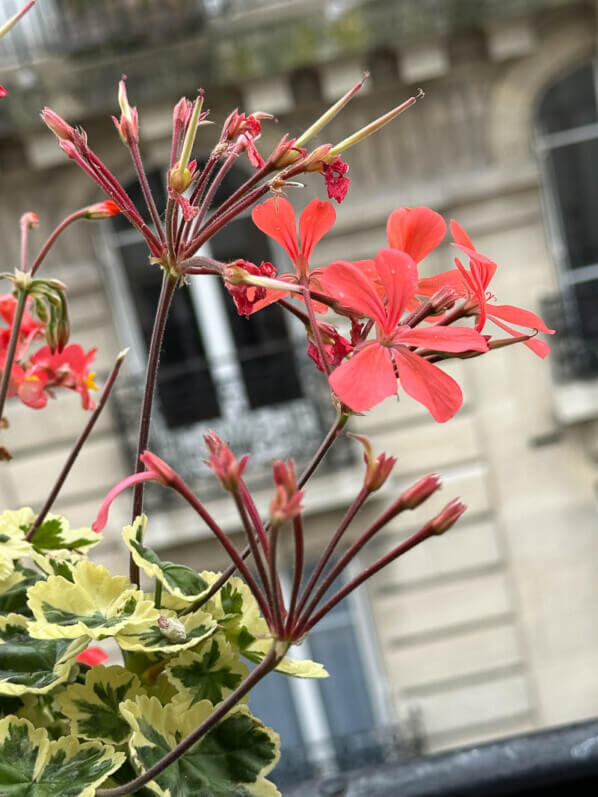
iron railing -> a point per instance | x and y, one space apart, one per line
290 429
574 355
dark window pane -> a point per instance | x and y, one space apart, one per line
586 294
570 102
186 393
574 168
262 341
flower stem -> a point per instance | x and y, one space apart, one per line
298 571
50 242
143 182
267 664
78 445
250 533
12 347
166 294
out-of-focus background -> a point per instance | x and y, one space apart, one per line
489 630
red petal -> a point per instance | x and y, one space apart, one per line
519 316
427 384
538 347
366 379
441 338
315 221
398 274
91 656
276 218
460 236
415 230
345 282
428 286
482 268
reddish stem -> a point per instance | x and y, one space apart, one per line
78 214
298 572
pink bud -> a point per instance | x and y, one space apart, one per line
102 210
421 491
29 220
57 125
163 473
378 468
448 516
223 462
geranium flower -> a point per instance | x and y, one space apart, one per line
69 368
473 285
276 218
370 374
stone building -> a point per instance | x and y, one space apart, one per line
489 630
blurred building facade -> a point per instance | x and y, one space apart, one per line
490 629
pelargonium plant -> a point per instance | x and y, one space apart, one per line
171 718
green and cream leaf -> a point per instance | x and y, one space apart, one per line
179 580
198 626
298 668
95 604
33 766
29 665
233 758
209 672
93 707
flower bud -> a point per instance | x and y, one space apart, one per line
377 468
165 475
101 210
172 629
60 128
286 504
128 125
420 491
448 516
29 220
223 462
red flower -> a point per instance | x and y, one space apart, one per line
337 184
416 231
370 375
473 284
69 368
276 218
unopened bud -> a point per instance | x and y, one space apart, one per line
128 125
421 491
179 178
63 333
29 220
164 473
448 516
172 629
60 128
377 468
283 474
285 506
223 462
101 210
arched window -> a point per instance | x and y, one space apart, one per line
567 141
240 377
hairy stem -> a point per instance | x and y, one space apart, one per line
267 664
143 182
78 214
78 446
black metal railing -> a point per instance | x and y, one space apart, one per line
288 429
558 762
574 354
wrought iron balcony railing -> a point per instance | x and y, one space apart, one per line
284 429
574 354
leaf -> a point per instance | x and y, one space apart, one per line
232 759
180 581
298 668
33 766
92 707
198 626
13 590
103 605
33 665
55 532
237 611
209 672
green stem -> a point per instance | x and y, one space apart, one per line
158 594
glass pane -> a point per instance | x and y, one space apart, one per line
586 294
570 102
262 342
186 393
574 169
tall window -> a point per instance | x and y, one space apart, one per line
567 138
215 364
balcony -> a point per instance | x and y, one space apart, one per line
286 429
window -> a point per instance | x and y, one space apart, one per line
215 364
567 140
328 725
